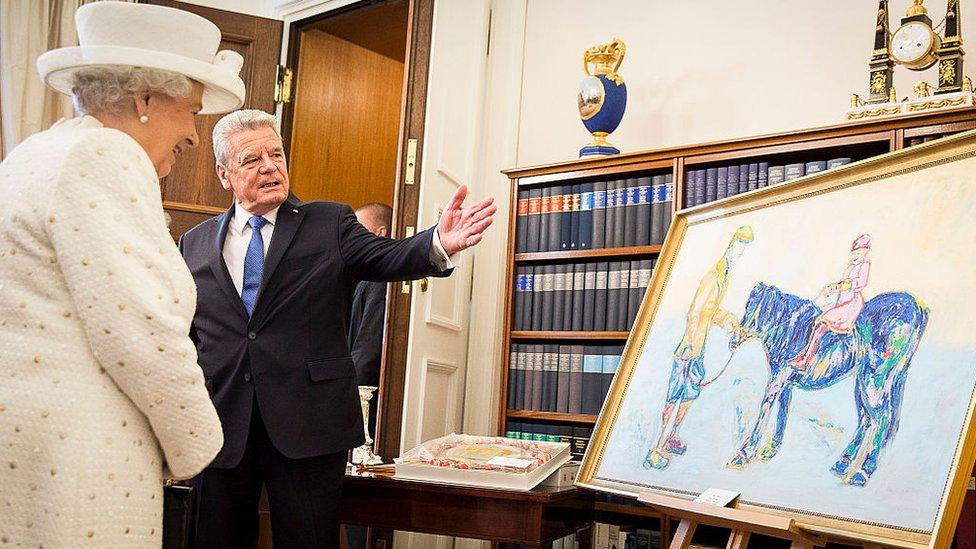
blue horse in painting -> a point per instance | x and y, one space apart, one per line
878 352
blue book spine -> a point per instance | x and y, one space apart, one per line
586 216
519 309
763 174
609 366
753 176
592 380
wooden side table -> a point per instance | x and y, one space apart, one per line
531 518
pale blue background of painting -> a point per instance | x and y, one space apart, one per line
922 245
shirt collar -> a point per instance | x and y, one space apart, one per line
241 216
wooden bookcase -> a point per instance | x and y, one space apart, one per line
858 140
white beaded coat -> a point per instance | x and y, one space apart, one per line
100 391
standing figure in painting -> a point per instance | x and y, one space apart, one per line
847 301
687 370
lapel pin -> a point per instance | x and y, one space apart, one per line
296 211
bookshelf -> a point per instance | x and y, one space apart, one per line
855 140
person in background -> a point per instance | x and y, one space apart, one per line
369 311
274 278
102 396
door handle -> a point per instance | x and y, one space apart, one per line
424 283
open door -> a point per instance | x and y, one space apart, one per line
439 320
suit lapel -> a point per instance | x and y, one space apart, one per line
289 218
218 266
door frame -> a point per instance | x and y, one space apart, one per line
406 198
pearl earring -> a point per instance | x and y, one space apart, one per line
144 119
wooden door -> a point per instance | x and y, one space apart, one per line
191 192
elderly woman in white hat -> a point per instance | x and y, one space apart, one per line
100 392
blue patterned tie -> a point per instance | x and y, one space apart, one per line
253 264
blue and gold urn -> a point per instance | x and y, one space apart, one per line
602 95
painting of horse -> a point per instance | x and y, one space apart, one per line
811 347
877 352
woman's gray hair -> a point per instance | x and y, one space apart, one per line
109 88
245 119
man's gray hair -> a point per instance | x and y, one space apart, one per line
244 119
109 88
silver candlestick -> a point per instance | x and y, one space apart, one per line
364 455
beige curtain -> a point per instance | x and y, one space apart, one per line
29 28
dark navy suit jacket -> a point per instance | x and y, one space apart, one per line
291 355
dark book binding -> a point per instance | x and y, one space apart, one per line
520 221
599 214
610 226
700 183
532 221
601 294
776 174
592 380
743 177
512 369
835 162
815 166
631 199
538 371
562 383
794 171
668 209
619 213
566 223
658 192
753 177
558 293
642 211
550 375
574 231
711 184
589 295
634 293
763 175
569 278
586 216
575 398
548 291
546 218
732 183
537 294
722 188
577 309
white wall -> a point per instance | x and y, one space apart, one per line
705 70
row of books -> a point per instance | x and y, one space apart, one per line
705 185
571 541
912 141
602 214
615 536
572 379
601 296
577 437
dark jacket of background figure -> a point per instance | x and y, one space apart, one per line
291 355
366 338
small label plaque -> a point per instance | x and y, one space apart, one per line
717 497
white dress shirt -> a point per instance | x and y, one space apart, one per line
239 237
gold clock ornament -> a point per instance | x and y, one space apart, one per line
915 45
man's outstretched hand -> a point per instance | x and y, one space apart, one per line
460 228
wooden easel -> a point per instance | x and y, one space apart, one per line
742 523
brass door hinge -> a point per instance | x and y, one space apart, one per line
282 93
411 171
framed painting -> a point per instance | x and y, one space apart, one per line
812 346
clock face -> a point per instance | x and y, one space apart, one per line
911 42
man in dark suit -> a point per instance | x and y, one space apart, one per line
368 311
274 276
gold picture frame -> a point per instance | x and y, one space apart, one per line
935 169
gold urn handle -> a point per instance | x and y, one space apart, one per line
606 59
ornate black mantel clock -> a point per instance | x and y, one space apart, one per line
916 46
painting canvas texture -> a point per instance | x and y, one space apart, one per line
816 353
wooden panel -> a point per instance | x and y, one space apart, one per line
193 180
382 29
347 115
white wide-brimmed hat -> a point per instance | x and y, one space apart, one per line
143 35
